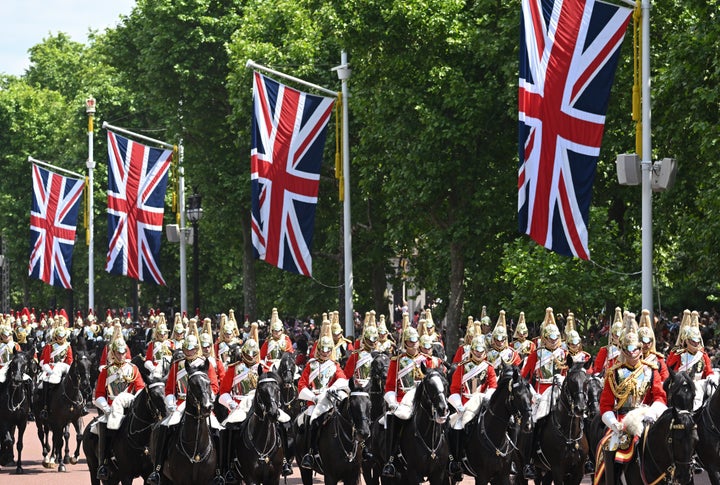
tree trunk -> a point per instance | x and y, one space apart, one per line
249 280
455 303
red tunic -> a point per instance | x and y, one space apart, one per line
45 357
308 381
103 356
488 382
133 386
655 392
674 362
391 382
171 383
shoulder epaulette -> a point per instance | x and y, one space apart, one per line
395 357
652 365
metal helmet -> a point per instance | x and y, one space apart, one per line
250 350
500 333
617 329
410 334
118 345
370 334
336 328
325 344
162 329
206 340
276 326
551 331
5 330
179 328
60 332
629 341
190 342
426 341
693 333
382 328
478 343
573 337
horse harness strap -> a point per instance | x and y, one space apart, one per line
669 473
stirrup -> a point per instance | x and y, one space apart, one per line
388 470
529 472
102 473
218 479
44 413
455 468
153 478
286 469
307 461
230 478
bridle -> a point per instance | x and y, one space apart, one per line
437 434
196 457
271 442
568 406
155 414
668 474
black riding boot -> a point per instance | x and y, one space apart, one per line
286 466
226 457
455 465
102 472
525 445
160 451
45 399
310 438
218 479
29 394
610 471
390 444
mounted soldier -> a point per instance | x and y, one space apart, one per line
228 336
118 383
630 383
359 363
55 362
646 335
500 351
521 343
237 390
277 343
473 382
8 348
178 333
606 356
404 374
208 350
321 375
471 330
691 357
185 363
158 356
573 342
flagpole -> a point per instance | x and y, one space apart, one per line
55 167
343 72
90 110
108 126
646 163
183 238
254 65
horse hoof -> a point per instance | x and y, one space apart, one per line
73 460
62 468
19 470
66 460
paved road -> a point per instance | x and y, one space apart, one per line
78 474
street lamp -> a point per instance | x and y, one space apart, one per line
194 213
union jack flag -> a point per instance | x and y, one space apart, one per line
137 181
569 51
53 219
288 138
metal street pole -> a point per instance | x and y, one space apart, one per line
89 237
646 157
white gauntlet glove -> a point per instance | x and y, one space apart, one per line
612 422
170 403
391 400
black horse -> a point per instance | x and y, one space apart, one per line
663 454
708 447
130 442
15 397
488 446
561 445
66 406
258 445
191 457
422 439
341 435
378 375
289 402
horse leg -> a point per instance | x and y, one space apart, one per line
20 435
66 439
306 475
77 424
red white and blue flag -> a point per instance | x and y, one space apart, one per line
288 139
569 51
53 219
137 181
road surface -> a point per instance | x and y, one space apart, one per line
78 474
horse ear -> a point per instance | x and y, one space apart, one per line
260 370
569 360
423 367
588 363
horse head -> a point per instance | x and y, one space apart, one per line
199 393
155 392
379 369
286 372
21 364
594 389
676 430
519 395
267 395
360 408
573 393
680 390
83 368
431 395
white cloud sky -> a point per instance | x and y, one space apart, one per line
25 23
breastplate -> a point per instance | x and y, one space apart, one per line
362 369
245 380
323 373
5 353
694 364
275 348
479 371
117 379
412 377
548 363
181 380
60 356
636 387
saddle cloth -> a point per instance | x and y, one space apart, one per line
542 404
404 409
240 413
176 416
472 408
